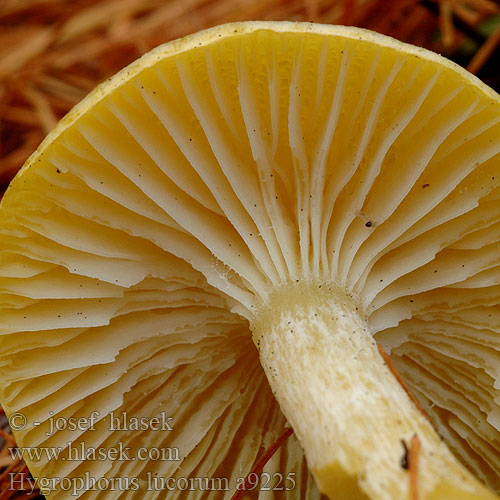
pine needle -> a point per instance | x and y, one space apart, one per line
262 461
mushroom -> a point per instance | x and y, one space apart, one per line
215 242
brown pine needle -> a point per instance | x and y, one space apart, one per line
348 13
446 23
485 51
12 468
415 447
7 490
483 6
9 438
42 108
311 9
262 461
470 17
396 374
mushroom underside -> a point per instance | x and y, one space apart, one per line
142 240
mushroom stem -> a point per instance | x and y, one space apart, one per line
347 409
